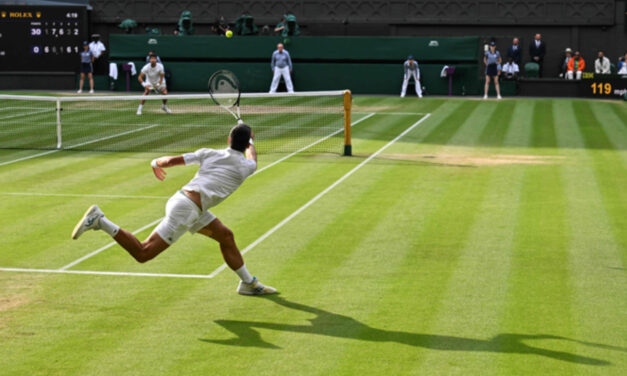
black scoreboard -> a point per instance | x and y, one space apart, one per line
41 38
603 86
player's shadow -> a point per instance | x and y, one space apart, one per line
331 324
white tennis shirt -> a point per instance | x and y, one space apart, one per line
221 172
153 74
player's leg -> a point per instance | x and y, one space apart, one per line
81 82
248 285
164 107
288 80
417 84
94 219
91 82
141 251
486 87
141 103
405 83
275 80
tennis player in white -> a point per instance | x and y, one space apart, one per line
155 80
221 172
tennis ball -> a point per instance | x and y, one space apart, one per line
229 33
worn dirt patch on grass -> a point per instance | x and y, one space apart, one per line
476 160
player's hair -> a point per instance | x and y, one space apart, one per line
240 135
151 56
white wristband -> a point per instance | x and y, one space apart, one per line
154 164
251 141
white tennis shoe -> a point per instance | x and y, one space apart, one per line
90 221
254 288
166 109
139 111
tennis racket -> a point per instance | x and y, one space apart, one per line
224 90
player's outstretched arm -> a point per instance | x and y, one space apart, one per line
251 152
159 164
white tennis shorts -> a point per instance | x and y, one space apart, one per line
182 214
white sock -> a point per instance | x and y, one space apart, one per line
140 106
109 227
244 275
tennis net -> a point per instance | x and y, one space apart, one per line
283 123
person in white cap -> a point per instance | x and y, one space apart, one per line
568 53
410 68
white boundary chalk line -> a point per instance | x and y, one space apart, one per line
256 172
37 194
92 272
320 195
223 266
81 144
97 251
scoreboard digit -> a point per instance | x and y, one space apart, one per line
41 38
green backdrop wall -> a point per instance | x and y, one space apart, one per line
362 64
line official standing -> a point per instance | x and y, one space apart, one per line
281 66
410 67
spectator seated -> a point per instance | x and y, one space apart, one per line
245 25
576 65
185 25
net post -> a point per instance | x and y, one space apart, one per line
59 140
347 123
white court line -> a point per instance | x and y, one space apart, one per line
79 145
314 143
29 157
320 195
97 251
256 172
91 272
28 114
78 195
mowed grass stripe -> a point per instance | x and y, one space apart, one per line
473 308
613 126
449 126
538 301
84 328
497 125
543 136
595 260
609 169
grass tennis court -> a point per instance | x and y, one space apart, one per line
490 239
